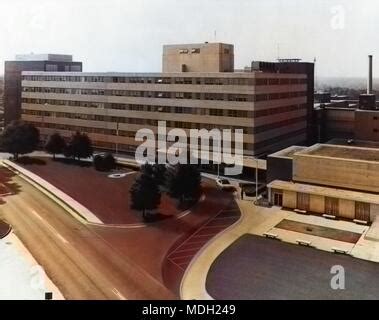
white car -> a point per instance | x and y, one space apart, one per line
224 184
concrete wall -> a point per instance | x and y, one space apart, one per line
346 209
317 203
289 199
350 174
367 125
279 169
339 123
374 211
206 57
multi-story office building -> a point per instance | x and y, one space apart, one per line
32 62
270 107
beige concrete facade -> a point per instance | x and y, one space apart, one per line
346 208
205 57
347 202
111 107
317 203
289 199
338 166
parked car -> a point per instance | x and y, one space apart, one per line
224 184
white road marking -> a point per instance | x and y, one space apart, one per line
51 228
117 293
128 173
61 238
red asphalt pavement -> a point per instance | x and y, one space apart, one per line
181 254
153 247
107 198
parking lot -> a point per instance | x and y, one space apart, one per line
254 267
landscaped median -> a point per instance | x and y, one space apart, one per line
61 198
98 197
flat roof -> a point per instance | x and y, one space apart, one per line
287 152
248 162
201 44
44 57
324 191
354 143
252 74
342 152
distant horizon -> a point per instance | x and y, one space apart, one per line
129 35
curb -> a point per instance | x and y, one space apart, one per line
49 194
201 252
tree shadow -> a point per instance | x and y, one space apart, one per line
155 217
26 160
7 186
74 162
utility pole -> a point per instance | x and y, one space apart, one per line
117 138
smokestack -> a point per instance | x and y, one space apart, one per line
369 82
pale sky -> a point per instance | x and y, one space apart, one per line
127 36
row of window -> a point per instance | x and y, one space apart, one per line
277 125
154 122
44 116
277 110
186 51
169 80
143 94
169 109
145 108
170 95
122 147
112 132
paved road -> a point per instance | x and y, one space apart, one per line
81 263
257 268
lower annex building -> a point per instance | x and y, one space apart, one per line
341 181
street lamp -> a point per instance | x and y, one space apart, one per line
256 179
256 158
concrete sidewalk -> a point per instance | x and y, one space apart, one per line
21 276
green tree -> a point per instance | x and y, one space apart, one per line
183 181
159 174
55 144
145 194
19 138
104 162
156 171
109 161
80 146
